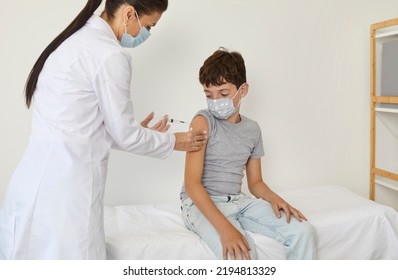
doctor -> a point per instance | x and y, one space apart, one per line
79 92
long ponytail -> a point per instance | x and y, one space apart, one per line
76 24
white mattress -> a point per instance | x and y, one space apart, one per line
348 227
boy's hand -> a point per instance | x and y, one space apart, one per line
279 204
234 244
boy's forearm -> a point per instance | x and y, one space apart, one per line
261 190
207 207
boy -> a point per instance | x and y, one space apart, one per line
213 205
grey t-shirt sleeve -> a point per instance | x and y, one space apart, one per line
258 150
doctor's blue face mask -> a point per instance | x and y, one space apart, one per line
129 41
223 108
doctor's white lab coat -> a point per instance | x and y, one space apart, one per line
53 208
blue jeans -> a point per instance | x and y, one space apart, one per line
255 215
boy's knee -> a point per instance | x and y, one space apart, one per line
306 230
308 227
301 232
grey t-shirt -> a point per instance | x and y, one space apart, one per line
228 149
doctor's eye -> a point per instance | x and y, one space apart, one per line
149 27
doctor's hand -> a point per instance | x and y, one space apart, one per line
191 141
161 126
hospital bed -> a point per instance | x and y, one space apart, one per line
348 226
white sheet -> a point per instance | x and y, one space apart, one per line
348 227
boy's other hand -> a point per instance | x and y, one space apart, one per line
279 204
234 244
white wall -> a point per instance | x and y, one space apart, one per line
308 69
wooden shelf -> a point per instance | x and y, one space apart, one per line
387 110
385 37
393 33
385 99
386 183
380 33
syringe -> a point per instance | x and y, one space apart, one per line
177 121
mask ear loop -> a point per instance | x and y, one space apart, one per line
139 22
236 94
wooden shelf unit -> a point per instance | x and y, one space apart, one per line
380 31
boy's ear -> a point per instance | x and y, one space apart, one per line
245 89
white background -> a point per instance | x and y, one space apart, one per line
307 65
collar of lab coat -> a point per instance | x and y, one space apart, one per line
98 23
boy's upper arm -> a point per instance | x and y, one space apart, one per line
194 160
253 171
200 123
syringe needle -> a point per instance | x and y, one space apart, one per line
177 121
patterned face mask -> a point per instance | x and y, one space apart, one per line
223 108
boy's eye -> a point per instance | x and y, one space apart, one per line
224 93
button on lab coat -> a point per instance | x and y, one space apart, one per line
53 208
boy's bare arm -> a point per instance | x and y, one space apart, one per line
261 190
233 242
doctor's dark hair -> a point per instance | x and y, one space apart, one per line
142 7
221 67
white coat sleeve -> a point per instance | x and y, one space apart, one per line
112 85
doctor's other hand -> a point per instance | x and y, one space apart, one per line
191 141
161 126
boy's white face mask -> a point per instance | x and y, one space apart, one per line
223 108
